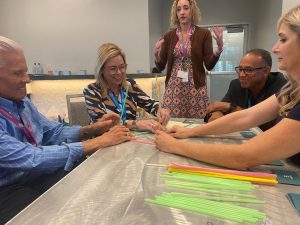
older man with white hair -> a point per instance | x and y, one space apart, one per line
34 151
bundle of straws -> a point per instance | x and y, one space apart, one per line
253 177
217 193
201 205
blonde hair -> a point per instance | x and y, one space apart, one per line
106 52
290 93
7 45
196 14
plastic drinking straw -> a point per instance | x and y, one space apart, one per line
231 176
209 180
208 190
211 186
211 191
222 199
211 208
235 172
158 91
229 207
123 105
194 199
159 101
206 179
258 180
143 142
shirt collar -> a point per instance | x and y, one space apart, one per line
11 105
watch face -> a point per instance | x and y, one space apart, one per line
133 125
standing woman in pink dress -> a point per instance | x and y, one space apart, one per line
186 50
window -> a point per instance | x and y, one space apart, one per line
234 38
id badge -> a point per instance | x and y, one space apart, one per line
183 75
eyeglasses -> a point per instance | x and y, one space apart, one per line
114 69
247 70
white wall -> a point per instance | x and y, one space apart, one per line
155 26
261 15
265 33
288 4
65 34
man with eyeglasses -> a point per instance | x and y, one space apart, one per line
255 83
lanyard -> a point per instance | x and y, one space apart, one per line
27 132
184 48
118 105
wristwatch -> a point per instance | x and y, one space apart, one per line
133 125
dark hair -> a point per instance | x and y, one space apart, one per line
266 56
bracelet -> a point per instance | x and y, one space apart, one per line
133 125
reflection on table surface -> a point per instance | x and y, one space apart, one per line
111 185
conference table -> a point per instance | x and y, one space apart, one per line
111 185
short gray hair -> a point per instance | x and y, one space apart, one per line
7 45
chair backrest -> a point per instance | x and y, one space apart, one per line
158 91
77 111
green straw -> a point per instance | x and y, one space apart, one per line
217 194
208 207
221 199
209 180
209 190
211 186
225 207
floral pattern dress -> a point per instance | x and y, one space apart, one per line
182 98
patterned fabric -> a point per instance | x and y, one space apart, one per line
98 105
55 148
201 54
182 98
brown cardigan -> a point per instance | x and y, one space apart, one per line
202 51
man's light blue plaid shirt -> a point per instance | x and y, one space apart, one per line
58 146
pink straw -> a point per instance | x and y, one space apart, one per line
143 142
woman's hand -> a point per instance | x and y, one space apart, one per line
103 124
165 142
163 116
157 49
180 132
110 116
218 36
150 125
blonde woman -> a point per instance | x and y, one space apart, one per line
279 142
185 49
107 94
